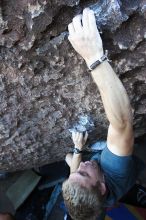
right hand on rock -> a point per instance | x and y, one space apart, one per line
84 36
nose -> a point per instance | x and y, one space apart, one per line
85 164
82 166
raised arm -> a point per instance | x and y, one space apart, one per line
85 39
73 160
117 108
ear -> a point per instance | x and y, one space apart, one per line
103 188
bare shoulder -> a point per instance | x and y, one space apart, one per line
120 141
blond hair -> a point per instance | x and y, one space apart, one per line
82 203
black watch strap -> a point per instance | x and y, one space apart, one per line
77 151
98 62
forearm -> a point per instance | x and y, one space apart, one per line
76 159
114 96
85 38
79 141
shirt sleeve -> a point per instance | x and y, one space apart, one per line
119 172
116 165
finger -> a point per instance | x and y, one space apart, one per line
77 136
85 20
73 135
80 136
71 29
77 23
92 23
86 136
92 20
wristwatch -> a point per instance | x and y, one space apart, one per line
99 61
77 151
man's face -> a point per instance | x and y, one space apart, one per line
87 174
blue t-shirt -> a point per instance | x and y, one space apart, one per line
120 173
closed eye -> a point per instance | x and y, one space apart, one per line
83 173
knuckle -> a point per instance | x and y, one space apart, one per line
86 9
74 19
91 12
69 25
70 39
77 17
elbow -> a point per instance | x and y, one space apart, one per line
126 122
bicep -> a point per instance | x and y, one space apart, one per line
120 141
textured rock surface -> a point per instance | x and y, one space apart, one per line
44 84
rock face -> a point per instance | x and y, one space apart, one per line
45 86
